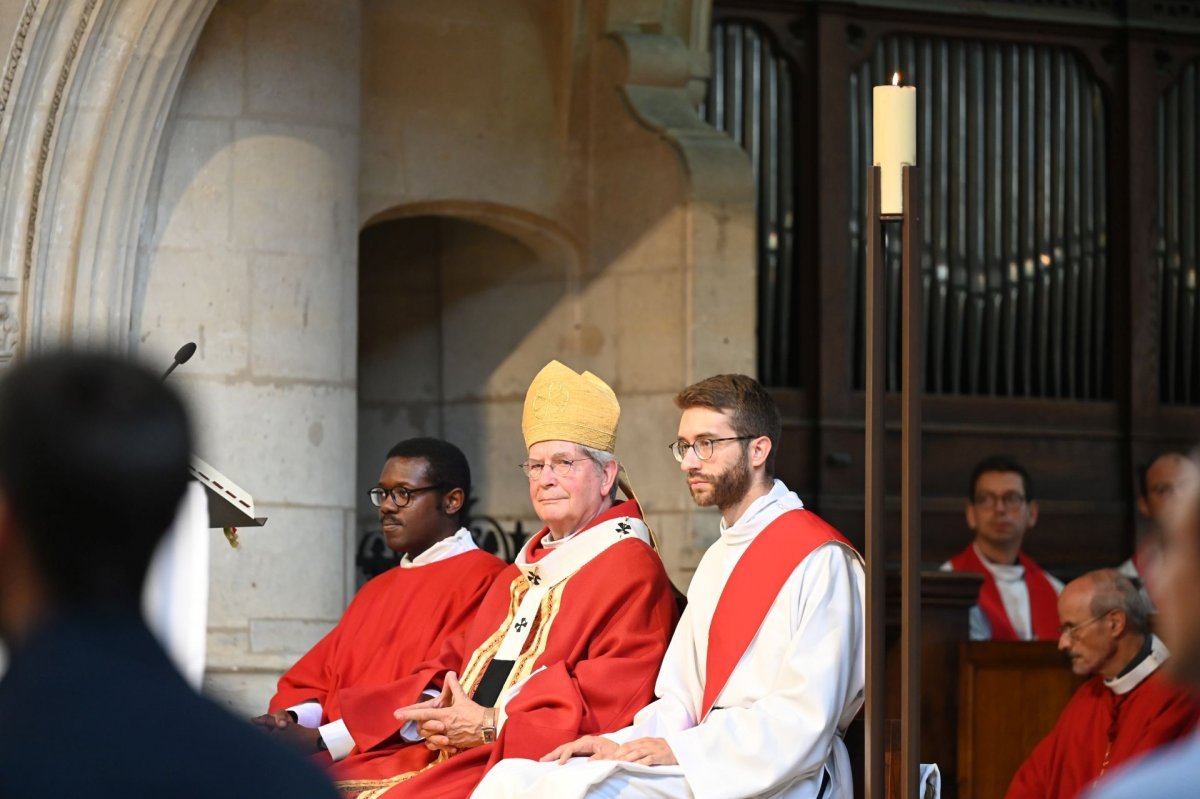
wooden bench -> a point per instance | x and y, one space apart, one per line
1010 695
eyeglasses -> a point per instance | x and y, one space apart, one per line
401 497
1012 499
703 447
1072 630
560 466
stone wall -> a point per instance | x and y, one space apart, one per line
250 251
536 185
529 180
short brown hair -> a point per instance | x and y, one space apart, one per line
751 409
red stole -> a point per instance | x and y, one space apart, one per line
1043 599
752 587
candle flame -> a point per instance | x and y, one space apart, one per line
895 78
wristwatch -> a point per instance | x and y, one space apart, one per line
489 726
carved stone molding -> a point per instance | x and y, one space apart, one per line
9 328
655 78
84 100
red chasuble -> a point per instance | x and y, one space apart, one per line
595 648
751 589
1043 599
1098 730
396 621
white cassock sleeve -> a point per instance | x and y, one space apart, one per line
676 686
787 733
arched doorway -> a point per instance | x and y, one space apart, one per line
456 314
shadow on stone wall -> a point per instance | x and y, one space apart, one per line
455 317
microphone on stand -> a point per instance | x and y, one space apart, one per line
181 357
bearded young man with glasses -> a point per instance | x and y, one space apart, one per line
1126 709
567 641
1018 600
402 617
766 668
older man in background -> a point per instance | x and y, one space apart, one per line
1124 710
1161 484
1173 772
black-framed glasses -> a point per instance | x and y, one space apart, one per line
560 466
703 447
1072 630
401 497
1012 499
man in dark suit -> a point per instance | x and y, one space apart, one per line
93 462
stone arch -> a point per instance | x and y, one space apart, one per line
540 233
84 101
459 304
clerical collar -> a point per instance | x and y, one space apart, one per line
545 542
1005 572
779 493
456 544
1143 653
554 543
1152 655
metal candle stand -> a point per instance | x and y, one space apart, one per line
910 492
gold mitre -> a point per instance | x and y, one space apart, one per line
563 405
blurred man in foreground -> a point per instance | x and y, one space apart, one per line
93 463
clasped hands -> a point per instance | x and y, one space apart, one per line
645 751
282 724
451 721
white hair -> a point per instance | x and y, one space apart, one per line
1111 590
602 459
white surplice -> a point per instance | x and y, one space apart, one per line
1014 594
776 727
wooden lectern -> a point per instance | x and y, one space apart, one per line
175 596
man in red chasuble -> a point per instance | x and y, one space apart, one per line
401 617
567 641
766 669
1124 710
1018 600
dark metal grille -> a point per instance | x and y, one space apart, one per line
1177 218
750 98
1012 148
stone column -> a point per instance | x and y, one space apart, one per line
250 250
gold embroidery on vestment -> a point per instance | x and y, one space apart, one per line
372 789
535 645
473 674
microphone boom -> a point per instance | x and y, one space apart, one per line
183 356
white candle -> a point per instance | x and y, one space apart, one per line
895 140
